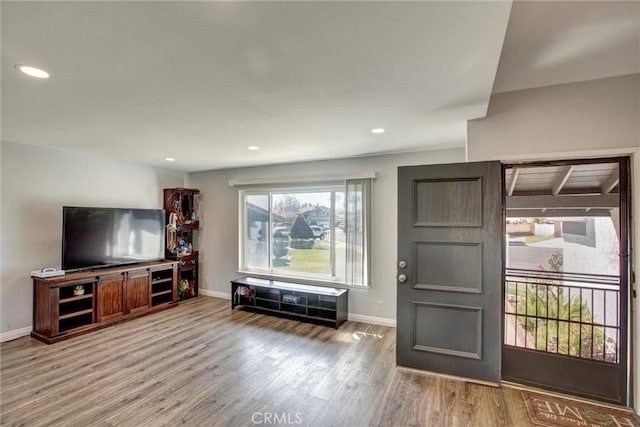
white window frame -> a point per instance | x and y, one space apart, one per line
306 187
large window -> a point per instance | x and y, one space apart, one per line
311 231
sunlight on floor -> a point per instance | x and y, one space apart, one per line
361 335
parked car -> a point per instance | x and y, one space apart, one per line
318 232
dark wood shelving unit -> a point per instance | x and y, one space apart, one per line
77 303
327 305
183 204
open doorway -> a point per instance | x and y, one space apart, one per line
566 277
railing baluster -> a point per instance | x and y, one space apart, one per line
546 313
515 329
604 321
605 308
617 323
526 315
593 319
580 326
568 324
535 300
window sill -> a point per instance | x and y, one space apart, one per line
303 280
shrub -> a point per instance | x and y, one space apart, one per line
559 320
280 246
300 229
301 234
302 243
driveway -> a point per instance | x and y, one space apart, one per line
530 257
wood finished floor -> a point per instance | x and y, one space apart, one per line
202 364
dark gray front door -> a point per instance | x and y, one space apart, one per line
450 288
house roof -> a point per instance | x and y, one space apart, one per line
257 214
202 81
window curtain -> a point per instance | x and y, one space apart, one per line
357 208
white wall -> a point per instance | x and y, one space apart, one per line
578 120
218 240
36 183
598 117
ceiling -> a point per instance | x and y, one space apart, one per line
556 42
202 81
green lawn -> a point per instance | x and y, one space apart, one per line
315 260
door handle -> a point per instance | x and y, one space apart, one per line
402 278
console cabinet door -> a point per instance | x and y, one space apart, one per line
110 302
137 291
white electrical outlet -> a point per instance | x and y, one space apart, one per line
380 305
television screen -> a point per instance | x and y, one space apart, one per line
102 237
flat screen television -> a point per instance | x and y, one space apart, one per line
103 237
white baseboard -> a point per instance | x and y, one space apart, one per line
351 316
216 294
17 333
23 332
382 321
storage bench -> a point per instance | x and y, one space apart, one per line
328 305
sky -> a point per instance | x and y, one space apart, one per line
323 199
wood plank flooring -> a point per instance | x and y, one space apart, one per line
202 364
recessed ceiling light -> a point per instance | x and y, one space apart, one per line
170 159
33 71
377 130
253 148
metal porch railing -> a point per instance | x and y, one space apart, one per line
571 314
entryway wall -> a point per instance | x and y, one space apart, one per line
577 120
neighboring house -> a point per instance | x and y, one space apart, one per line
257 218
317 215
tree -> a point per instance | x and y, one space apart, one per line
301 234
289 206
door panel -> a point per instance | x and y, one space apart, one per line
450 236
137 292
448 202
463 320
110 298
432 255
